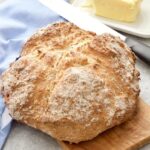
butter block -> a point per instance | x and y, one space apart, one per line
122 10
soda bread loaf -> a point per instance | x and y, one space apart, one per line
72 84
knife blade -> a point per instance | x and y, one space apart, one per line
87 22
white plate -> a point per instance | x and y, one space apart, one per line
141 27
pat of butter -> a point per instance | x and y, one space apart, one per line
122 10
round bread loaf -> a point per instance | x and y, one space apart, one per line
72 84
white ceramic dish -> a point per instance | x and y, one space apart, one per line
141 27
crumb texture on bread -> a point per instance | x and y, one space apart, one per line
72 84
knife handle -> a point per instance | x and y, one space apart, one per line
140 49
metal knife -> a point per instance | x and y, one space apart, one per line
86 22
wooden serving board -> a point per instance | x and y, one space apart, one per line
128 136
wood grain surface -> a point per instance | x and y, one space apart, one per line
128 136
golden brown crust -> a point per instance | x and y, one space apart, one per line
71 83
